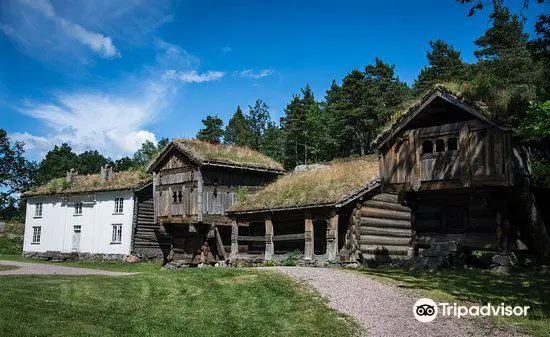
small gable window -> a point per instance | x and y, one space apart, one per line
452 144
119 205
427 147
78 208
439 145
174 197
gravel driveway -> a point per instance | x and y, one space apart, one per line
382 309
52 269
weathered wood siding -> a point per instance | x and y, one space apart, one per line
149 239
467 153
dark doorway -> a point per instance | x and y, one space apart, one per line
456 219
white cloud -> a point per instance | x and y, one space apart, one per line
43 6
193 76
112 124
35 25
101 44
226 49
249 73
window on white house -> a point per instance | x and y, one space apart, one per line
78 208
117 234
36 233
119 202
38 210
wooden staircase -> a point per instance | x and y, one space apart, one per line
385 228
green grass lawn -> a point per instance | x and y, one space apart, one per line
531 287
158 302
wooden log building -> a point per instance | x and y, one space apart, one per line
316 212
454 165
194 183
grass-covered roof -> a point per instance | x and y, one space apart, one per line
337 182
126 180
457 93
205 153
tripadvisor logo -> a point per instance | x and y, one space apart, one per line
425 310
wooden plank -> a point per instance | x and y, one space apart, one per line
332 237
269 247
308 235
254 238
384 240
234 239
395 232
219 244
289 237
464 151
386 197
386 205
385 213
376 222
199 194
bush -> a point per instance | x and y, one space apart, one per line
11 245
482 259
292 258
17 228
270 263
242 194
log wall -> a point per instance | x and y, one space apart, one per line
386 228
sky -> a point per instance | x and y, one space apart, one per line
109 75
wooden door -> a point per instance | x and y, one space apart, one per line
456 219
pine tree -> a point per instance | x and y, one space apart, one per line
212 131
258 118
445 65
238 130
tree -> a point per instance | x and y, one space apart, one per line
212 131
123 164
301 129
238 131
272 142
258 118
147 152
362 105
90 162
56 163
445 65
16 175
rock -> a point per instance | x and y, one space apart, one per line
312 167
130 259
504 260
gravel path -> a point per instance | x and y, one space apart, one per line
51 269
382 309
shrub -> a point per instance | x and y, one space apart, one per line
482 259
11 245
270 263
291 258
242 194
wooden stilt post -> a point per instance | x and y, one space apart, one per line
308 234
332 237
269 249
234 241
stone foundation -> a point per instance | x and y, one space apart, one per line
59 256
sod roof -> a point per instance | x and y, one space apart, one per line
126 180
204 153
341 180
449 92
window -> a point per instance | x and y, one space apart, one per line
180 196
36 233
117 234
38 210
78 208
439 145
452 144
119 202
427 147
174 197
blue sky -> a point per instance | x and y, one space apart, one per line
108 75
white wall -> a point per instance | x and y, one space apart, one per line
96 222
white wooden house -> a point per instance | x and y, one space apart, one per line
90 216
